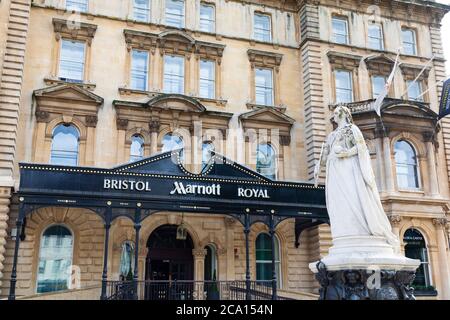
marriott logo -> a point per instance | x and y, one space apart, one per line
180 188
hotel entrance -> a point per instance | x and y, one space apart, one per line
169 264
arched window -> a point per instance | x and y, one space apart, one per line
172 142
55 259
127 261
416 248
266 161
65 141
263 248
207 149
210 263
136 148
406 164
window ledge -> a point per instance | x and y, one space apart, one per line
281 108
85 85
411 191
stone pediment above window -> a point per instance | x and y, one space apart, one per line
75 30
379 64
67 100
268 119
411 71
341 60
172 42
176 102
264 59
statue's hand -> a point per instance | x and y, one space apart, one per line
343 154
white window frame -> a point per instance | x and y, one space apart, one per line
420 87
264 32
138 9
135 71
135 157
264 88
77 5
347 32
279 269
181 16
373 84
182 76
211 83
379 40
414 43
83 62
211 22
351 89
417 167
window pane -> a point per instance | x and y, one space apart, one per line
415 248
77 5
172 142
207 18
55 260
414 91
64 149
175 13
263 246
136 148
141 10
378 84
71 66
264 87
340 30
207 79
409 41
344 87
173 74
375 37
406 166
139 70
127 260
262 28
266 161
207 148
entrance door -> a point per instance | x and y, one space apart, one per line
170 265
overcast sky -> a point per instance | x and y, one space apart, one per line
446 36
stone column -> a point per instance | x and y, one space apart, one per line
5 194
230 271
432 173
154 130
442 244
199 272
388 164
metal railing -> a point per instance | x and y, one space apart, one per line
189 290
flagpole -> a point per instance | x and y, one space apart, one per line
433 86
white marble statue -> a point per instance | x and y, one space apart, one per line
352 197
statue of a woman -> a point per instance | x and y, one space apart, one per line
352 197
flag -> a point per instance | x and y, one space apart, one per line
444 108
385 91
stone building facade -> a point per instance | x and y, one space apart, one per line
133 78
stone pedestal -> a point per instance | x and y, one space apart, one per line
364 268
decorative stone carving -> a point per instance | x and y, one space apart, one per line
154 125
74 30
91 121
411 71
201 253
440 222
42 116
344 60
122 124
395 219
264 59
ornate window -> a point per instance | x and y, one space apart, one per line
376 36
175 13
210 263
65 143
340 30
207 149
77 5
141 10
416 248
409 41
344 86
266 162
378 85
55 259
139 70
264 87
136 148
172 142
71 62
263 247
207 17
406 164
173 74
262 29
127 261
207 79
